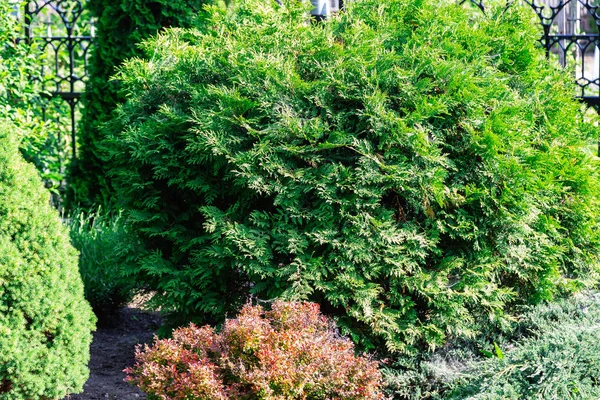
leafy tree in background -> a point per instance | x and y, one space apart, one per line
415 167
120 26
21 100
16 64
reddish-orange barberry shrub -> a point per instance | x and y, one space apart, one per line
289 352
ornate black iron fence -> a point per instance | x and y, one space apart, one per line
63 33
570 30
569 33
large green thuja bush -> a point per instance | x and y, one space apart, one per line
45 322
119 25
413 166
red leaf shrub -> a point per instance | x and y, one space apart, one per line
289 352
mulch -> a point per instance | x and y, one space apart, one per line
113 350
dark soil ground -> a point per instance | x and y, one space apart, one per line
112 351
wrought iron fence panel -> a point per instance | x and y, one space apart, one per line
569 33
63 32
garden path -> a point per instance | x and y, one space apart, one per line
112 351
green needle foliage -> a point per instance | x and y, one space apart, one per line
559 357
45 322
120 26
414 166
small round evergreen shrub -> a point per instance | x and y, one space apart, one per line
290 352
414 166
45 322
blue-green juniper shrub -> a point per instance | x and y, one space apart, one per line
556 356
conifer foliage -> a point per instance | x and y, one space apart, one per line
411 165
45 322
120 26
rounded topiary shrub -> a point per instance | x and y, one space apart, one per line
289 352
45 322
414 166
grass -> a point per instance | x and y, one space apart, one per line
100 238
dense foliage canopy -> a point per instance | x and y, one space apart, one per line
22 102
16 90
412 165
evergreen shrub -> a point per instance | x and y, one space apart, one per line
415 167
550 352
99 238
119 25
45 322
557 356
289 352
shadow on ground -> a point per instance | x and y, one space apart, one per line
112 351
